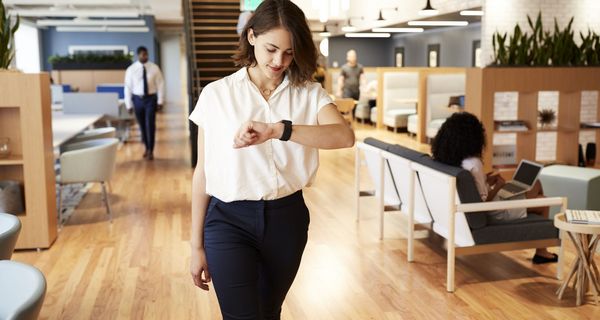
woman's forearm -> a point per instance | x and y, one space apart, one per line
330 136
199 205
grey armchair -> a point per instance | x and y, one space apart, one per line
22 291
10 226
88 161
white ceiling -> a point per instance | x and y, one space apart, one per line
171 11
163 10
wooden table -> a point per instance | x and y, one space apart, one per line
67 126
584 271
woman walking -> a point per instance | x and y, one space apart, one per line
259 134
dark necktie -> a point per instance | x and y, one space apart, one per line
145 82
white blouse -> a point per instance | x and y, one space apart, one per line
134 83
268 171
475 166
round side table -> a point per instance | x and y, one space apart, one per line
584 271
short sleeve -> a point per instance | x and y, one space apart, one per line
323 97
475 166
198 115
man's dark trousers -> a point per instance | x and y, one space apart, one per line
145 112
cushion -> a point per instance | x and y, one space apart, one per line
400 112
533 227
362 111
412 123
465 186
433 127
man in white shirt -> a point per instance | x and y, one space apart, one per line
144 94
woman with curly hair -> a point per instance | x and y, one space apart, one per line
460 142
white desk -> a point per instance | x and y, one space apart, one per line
67 126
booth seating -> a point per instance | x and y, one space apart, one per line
374 115
580 185
362 112
400 94
449 196
440 87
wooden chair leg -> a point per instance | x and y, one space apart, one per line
450 268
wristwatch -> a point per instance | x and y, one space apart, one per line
287 130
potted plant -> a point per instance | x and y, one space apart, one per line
90 62
7 33
545 48
546 117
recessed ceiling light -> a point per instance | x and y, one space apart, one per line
433 23
102 29
367 35
471 13
125 13
397 30
325 34
90 22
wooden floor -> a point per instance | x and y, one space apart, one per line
137 268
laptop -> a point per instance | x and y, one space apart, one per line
523 180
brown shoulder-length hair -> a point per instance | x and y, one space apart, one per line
272 14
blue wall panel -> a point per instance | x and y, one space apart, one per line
57 43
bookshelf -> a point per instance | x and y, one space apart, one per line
483 83
25 118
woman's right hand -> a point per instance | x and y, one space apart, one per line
199 269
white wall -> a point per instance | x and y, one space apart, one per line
171 59
502 15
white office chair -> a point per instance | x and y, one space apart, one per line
88 161
22 291
96 133
10 226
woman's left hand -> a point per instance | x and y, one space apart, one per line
253 133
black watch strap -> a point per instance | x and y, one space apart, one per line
287 130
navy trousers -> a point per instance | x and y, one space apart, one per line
253 250
145 112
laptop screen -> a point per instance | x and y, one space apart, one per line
527 173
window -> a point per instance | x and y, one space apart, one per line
27 48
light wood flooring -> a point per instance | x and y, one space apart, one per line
137 268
